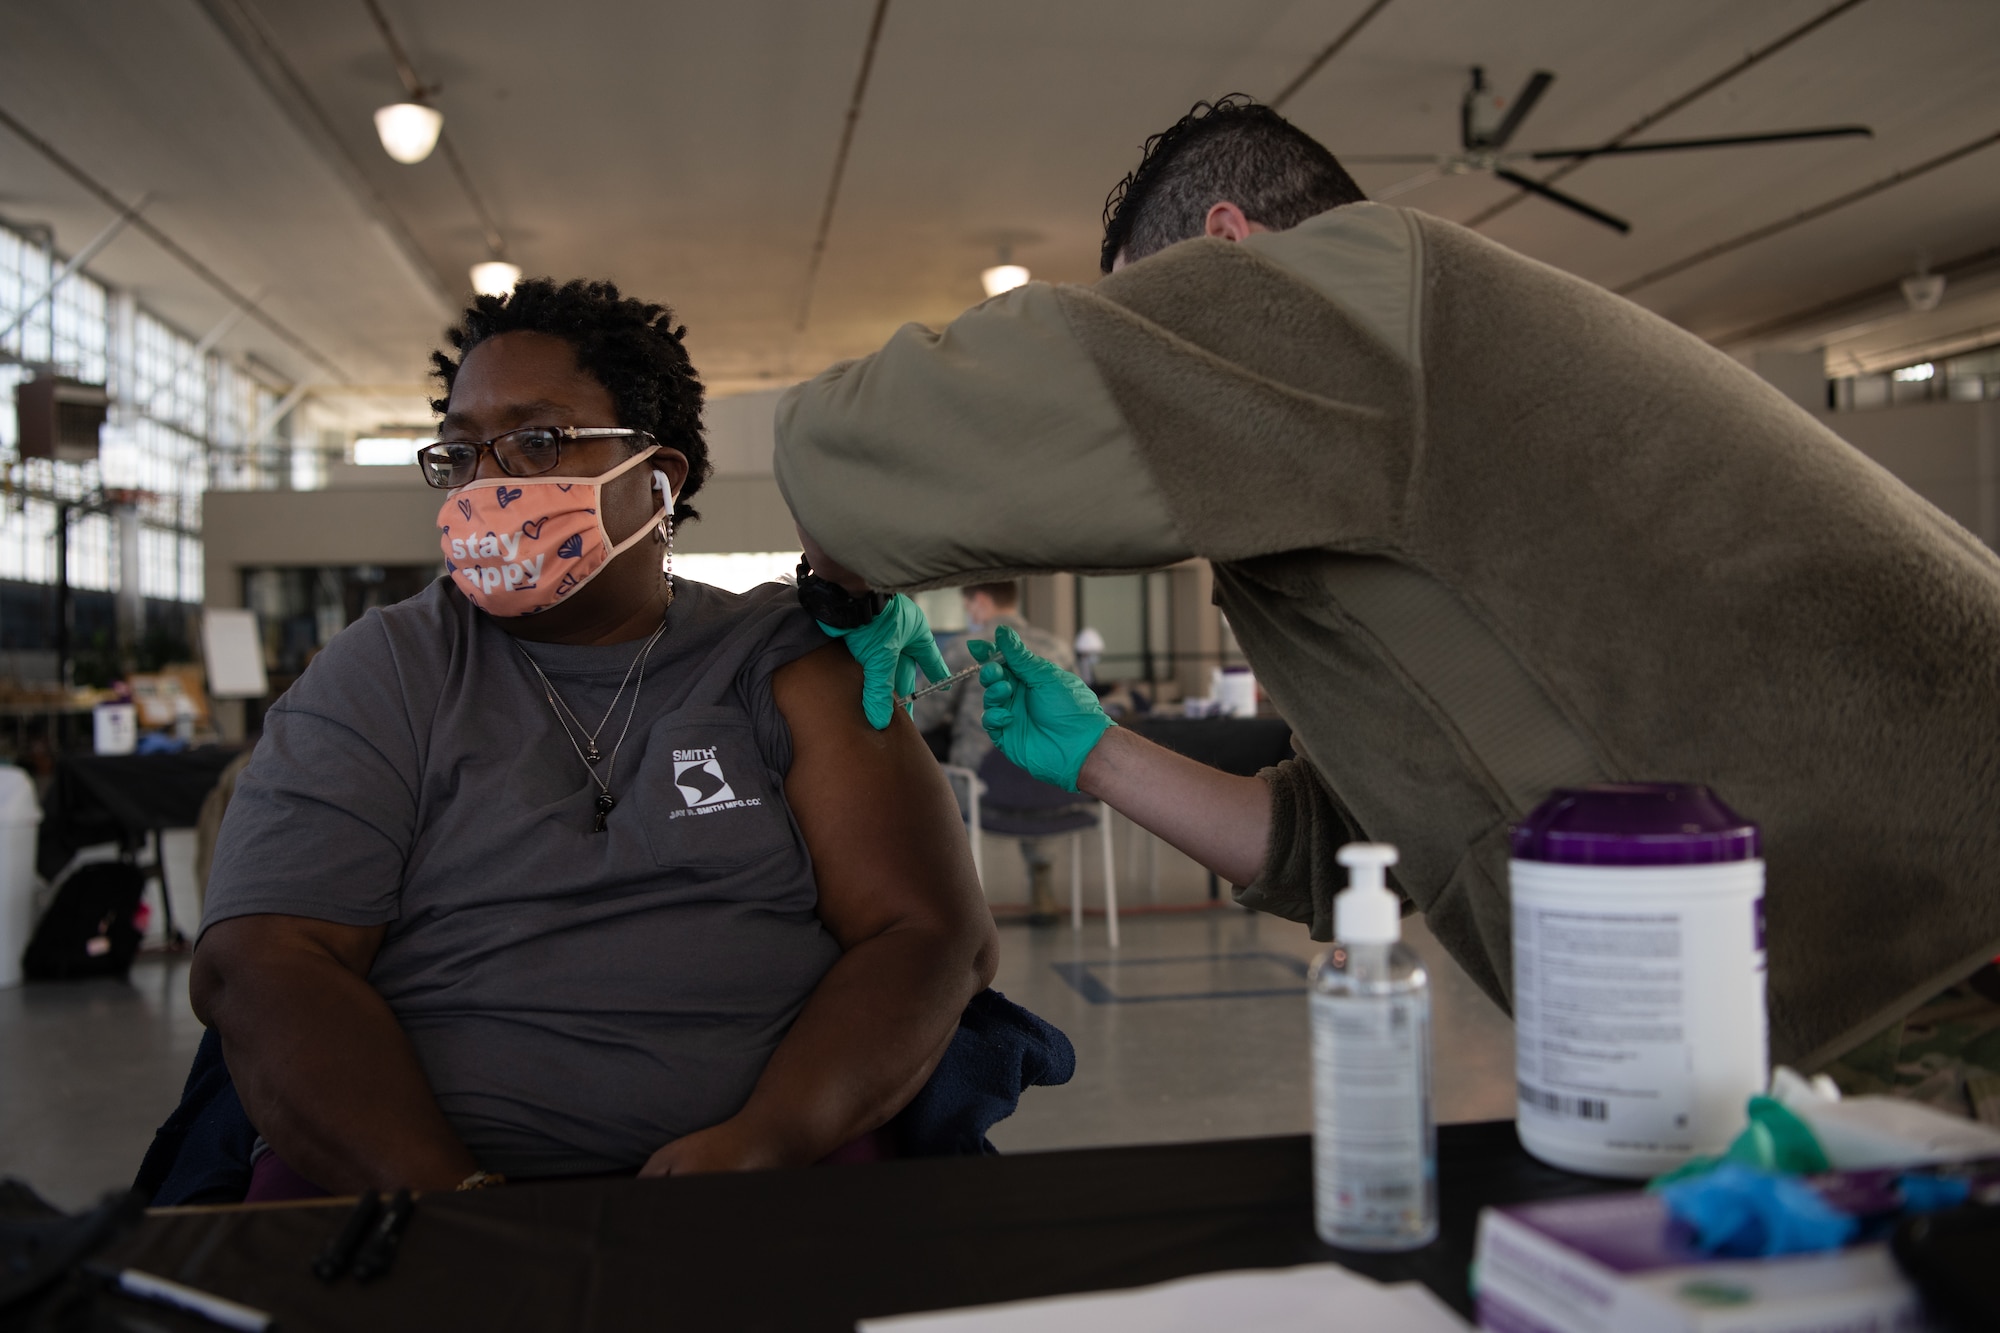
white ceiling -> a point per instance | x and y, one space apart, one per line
684 150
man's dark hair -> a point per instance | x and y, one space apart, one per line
630 347
1235 149
1005 595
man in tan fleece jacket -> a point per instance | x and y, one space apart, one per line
1484 530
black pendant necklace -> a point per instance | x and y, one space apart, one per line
587 749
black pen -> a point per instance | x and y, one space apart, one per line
339 1252
380 1251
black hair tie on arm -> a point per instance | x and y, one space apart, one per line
831 604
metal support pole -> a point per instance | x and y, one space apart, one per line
1146 627
65 669
131 600
77 261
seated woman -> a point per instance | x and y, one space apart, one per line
566 866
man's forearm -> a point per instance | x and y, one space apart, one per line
329 1077
864 1045
1220 819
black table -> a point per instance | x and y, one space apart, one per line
817 1249
1241 745
123 799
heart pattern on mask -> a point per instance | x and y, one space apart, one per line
572 547
506 495
532 530
563 486
465 507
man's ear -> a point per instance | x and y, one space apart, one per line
1227 221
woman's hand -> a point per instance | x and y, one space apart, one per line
729 1146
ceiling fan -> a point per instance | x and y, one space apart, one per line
1487 124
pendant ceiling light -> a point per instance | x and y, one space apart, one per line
409 130
1002 278
495 277
1005 275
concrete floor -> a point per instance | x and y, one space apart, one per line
1194 1028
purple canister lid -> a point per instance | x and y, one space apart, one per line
1635 824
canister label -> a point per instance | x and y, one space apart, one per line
1600 1026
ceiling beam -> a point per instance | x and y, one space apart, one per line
1855 303
102 193
854 102
257 46
76 261
1721 248
1327 52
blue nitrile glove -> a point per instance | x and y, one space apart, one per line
891 648
1743 1212
1041 717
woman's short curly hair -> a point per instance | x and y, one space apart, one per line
630 347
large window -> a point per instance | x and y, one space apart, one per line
1968 377
181 417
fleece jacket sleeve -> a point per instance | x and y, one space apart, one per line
986 450
1308 827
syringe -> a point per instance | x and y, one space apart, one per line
935 685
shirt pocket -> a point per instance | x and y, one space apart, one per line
707 797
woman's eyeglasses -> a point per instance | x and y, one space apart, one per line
527 452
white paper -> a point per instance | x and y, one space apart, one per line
1315 1298
233 653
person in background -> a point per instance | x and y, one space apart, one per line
988 606
1482 528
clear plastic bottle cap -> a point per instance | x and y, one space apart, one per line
1367 911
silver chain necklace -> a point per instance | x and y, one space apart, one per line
606 802
565 715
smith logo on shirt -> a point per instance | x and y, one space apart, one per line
698 774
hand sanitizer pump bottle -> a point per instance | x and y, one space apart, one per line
1374 1144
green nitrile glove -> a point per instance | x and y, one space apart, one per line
891 648
1042 717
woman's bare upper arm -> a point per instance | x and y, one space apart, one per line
888 846
272 939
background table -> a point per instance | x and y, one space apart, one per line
816 1249
124 799
1240 745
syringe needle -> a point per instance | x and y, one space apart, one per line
950 680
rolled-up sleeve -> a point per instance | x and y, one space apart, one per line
1308 828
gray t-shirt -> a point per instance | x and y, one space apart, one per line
577 999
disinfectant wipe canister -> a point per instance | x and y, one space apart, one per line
1374 1147
1639 1020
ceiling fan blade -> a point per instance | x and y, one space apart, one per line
1721 141
1533 186
1393 159
1524 102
